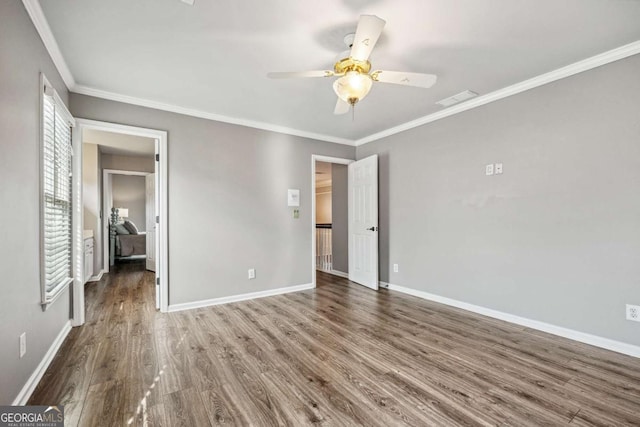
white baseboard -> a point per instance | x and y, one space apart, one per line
97 277
334 272
609 344
35 378
339 273
241 297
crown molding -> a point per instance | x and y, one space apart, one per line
40 22
560 73
85 90
42 26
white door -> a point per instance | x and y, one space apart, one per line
363 222
150 197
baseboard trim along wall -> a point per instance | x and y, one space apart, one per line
35 378
334 272
241 297
97 277
339 273
606 343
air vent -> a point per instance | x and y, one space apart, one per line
462 96
189 2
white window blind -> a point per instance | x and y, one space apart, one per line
56 195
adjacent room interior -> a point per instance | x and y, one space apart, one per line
440 225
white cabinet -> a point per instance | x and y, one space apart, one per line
88 258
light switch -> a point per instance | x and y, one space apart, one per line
498 168
293 197
489 169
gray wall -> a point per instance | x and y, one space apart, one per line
340 214
228 200
128 191
22 57
92 200
556 238
128 163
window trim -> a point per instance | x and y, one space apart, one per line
48 297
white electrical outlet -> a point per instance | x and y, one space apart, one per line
498 169
23 344
633 312
395 268
489 169
252 273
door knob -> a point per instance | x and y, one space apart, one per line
373 229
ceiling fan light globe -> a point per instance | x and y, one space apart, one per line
353 86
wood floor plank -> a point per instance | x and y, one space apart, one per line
337 355
221 408
185 408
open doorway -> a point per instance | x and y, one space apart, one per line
124 204
329 224
331 209
345 218
128 200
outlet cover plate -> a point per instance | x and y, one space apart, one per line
633 312
251 274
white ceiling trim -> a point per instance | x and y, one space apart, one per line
40 22
84 90
42 26
560 73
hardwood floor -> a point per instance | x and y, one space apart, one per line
337 355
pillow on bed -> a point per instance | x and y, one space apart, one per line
121 229
131 227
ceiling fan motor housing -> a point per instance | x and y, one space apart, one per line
349 64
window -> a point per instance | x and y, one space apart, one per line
56 230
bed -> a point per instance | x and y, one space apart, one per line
126 242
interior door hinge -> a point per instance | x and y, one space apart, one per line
157 281
157 219
157 157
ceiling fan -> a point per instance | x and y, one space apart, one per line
354 71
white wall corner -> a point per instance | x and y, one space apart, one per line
40 22
97 93
560 73
594 340
241 297
42 26
37 374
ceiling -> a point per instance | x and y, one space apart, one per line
119 144
213 57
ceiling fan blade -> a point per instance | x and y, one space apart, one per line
367 34
342 107
406 79
297 74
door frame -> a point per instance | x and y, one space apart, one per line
105 217
162 194
318 158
